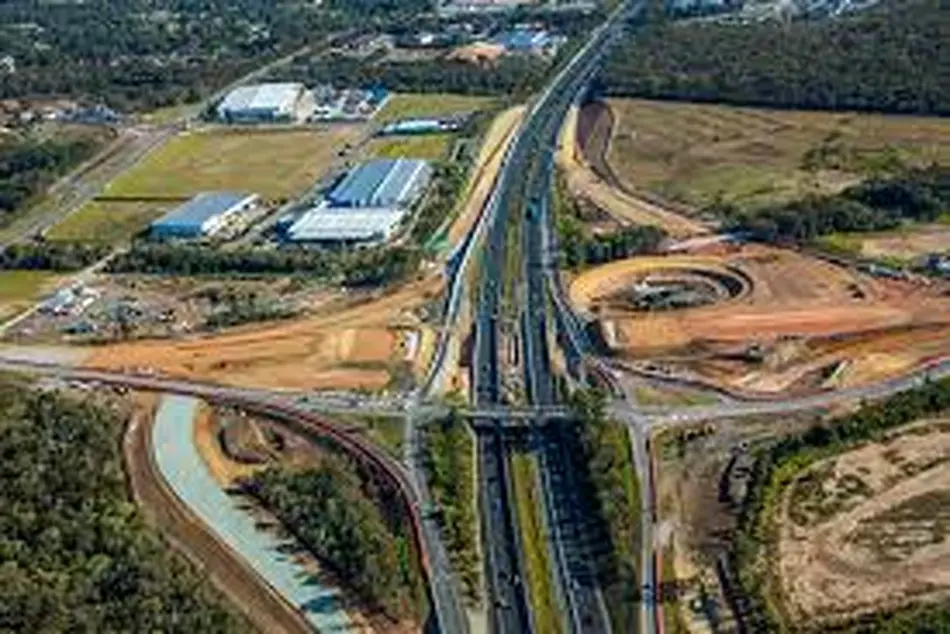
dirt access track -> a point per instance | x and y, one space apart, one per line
866 530
354 342
584 182
788 319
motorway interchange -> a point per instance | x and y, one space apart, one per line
520 200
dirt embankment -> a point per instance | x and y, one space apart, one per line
249 594
584 182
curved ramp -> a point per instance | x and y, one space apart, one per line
265 552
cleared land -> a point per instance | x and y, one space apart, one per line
789 321
355 343
866 530
584 182
699 154
106 222
19 289
906 244
274 163
423 146
406 105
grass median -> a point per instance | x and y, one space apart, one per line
539 571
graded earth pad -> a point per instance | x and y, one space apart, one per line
867 530
774 320
357 345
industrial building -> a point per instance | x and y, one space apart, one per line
325 224
382 183
367 206
204 215
267 103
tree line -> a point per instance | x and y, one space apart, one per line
29 166
919 195
579 247
774 471
350 267
75 554
447 459
888 59
51 256
610 475
329 512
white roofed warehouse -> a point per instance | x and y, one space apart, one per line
267 103
203 216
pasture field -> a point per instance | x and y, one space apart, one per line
19 289
699 154
408 105
276 164
106 222
424 146
866 530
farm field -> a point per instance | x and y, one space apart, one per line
424 146
866 530
276 164
408 105
697 155
781 321
19 289
106 222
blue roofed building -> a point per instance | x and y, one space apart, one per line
382 183
525 40
203 216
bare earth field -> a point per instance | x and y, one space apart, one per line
866 530
791 320
354 343
696 154
273 163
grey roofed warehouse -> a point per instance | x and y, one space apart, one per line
204 215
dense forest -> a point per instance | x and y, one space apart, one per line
447 459
919 195
357 267
329 512
775 469
515 76
605 445
28 166
144 54
75 556
892 58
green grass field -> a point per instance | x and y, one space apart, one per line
538 566
407 105
19 289
699 153
276 164
427 146
106 222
